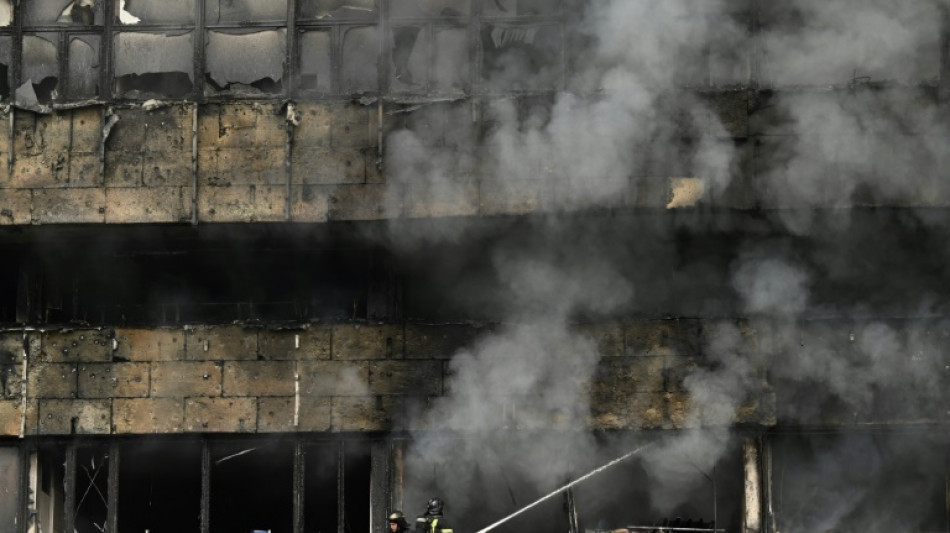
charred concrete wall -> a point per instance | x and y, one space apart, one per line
245 162
319 378
371 377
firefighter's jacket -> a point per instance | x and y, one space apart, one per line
432 524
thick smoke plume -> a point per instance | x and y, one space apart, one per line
850 119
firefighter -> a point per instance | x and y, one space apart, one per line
432 521
397 522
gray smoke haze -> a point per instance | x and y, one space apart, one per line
620 121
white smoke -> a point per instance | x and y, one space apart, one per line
619 122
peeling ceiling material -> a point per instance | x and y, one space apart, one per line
245 58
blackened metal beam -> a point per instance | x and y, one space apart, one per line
112 507
299 465
205 486
379 487
340 486
69 505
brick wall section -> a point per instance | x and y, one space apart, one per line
321 377
246 163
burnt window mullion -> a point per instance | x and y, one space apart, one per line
290 61
62 60
105 53
199 58
340 488
69 515
299 485
205 514
112 512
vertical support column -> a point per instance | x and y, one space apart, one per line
752 495
340 486
194 164
69 506
946 488
205 487
298 487
26 485
397 454
112 511
379 492
943 86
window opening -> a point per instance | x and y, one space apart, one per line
245 62
859 481
6 12
410 57
73 12
160 487
252 486
336 9
40 71
521 56
430 59
149 65
520 8
225 11
47 483
6 43
321 490
451 61
356 482
83 76
155 11
92 490
430 8
337 486
359 60
315 62
9 478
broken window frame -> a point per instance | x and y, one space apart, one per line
429 26
378 454
12 32
482 84
295 26
64 34
114 28
231 27
211 93
96 25
337 31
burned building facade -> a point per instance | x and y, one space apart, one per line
288 265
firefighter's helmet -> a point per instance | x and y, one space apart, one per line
398 518
435 506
